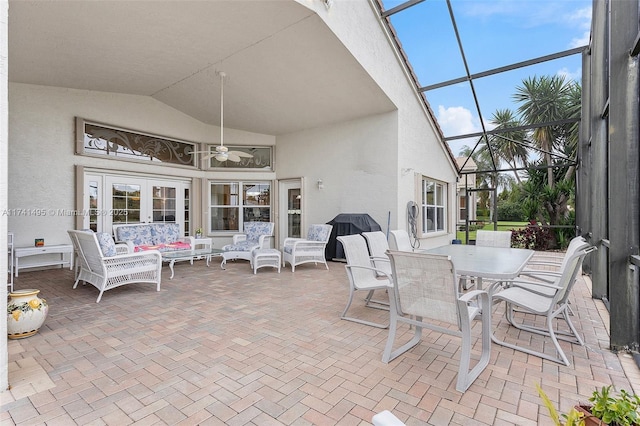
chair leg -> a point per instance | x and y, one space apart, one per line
549 330
389 354
360 321
465 376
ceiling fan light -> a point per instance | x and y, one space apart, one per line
221 157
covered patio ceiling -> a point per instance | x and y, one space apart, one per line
286 71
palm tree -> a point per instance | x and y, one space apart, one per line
509 146
546 99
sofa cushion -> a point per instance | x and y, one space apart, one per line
137 234
165 233
106 243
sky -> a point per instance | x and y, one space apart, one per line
493 33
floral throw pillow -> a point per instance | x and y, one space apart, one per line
106 243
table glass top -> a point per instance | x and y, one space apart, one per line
180 254
488 262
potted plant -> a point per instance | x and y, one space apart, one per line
199 233
604 409
622 409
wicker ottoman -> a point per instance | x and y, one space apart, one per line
265 257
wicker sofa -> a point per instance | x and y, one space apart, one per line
152 236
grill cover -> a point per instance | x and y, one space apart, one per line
347 224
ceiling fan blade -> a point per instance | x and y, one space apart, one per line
207 157
241 154
233 157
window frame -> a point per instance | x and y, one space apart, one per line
239 201
440 202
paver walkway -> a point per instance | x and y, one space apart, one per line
229 347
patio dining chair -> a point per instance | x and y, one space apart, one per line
543 299
424 295
486 238
400 240
362 276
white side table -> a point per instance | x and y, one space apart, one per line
65 252
203 241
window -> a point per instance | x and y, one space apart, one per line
122 144
463 207
261 158
233 203
433 206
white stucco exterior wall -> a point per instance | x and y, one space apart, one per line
4 186
415 147
353 161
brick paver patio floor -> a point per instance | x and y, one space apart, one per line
218 347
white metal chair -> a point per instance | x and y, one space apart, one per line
362 276
378 247
486 239
493 238
297 251
256 235
546 268
540 298
108 272
400 240
425 295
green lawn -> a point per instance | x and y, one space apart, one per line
502 226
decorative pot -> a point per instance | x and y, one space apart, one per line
26 313
589 419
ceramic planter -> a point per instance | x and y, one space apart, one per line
26 313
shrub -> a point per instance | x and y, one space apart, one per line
532 237
511 211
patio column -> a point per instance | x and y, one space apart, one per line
624 211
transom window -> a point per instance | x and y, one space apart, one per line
233 203
433 206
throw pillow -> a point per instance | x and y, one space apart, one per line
107 245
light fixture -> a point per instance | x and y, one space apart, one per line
320 184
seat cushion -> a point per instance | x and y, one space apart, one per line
106 243
241 246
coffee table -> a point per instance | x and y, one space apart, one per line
180 255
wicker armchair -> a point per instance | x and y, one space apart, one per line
105 269
297 251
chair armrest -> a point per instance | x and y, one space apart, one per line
291 240
528 288
189 240
121 261
302 244
239 237
371 268
123 248
265 241
541 275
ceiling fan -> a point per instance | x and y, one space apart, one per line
222 153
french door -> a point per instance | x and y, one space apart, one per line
112 199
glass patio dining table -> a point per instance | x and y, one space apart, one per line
492 263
